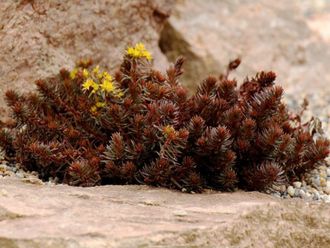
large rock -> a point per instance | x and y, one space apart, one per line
284 36
37 38
139 216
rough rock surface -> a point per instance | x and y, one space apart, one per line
139 216
38 37
284 36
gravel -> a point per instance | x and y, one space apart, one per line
8 170
316 185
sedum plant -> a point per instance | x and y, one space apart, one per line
87 128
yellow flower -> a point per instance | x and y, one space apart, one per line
107 76
95 88
96 69
85 73
119 93
97 105
96 72
100 104
73 73
89 83
139 51
107 86
93 109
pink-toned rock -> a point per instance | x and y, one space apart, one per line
139 216
267 35
37 37
321 25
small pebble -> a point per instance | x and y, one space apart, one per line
323 182
302 193
277 194
313 190
327 190
296 192
328 184
20 175
33 180
326 198
315 181
316 196
291 191
328 172
50 183
180 213
309 188
9 173
309 195
297 184
3 168
282 188
323 174
3 192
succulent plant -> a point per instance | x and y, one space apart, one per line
140 126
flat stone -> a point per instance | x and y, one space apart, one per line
37 216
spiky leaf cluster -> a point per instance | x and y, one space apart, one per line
145 129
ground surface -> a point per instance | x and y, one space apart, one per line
33 215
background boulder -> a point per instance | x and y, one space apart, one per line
37 38
291 38
284 36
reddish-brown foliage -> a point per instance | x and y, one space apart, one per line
222 137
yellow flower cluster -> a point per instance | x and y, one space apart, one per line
85 73
90 84
98 83
139 51
73 73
